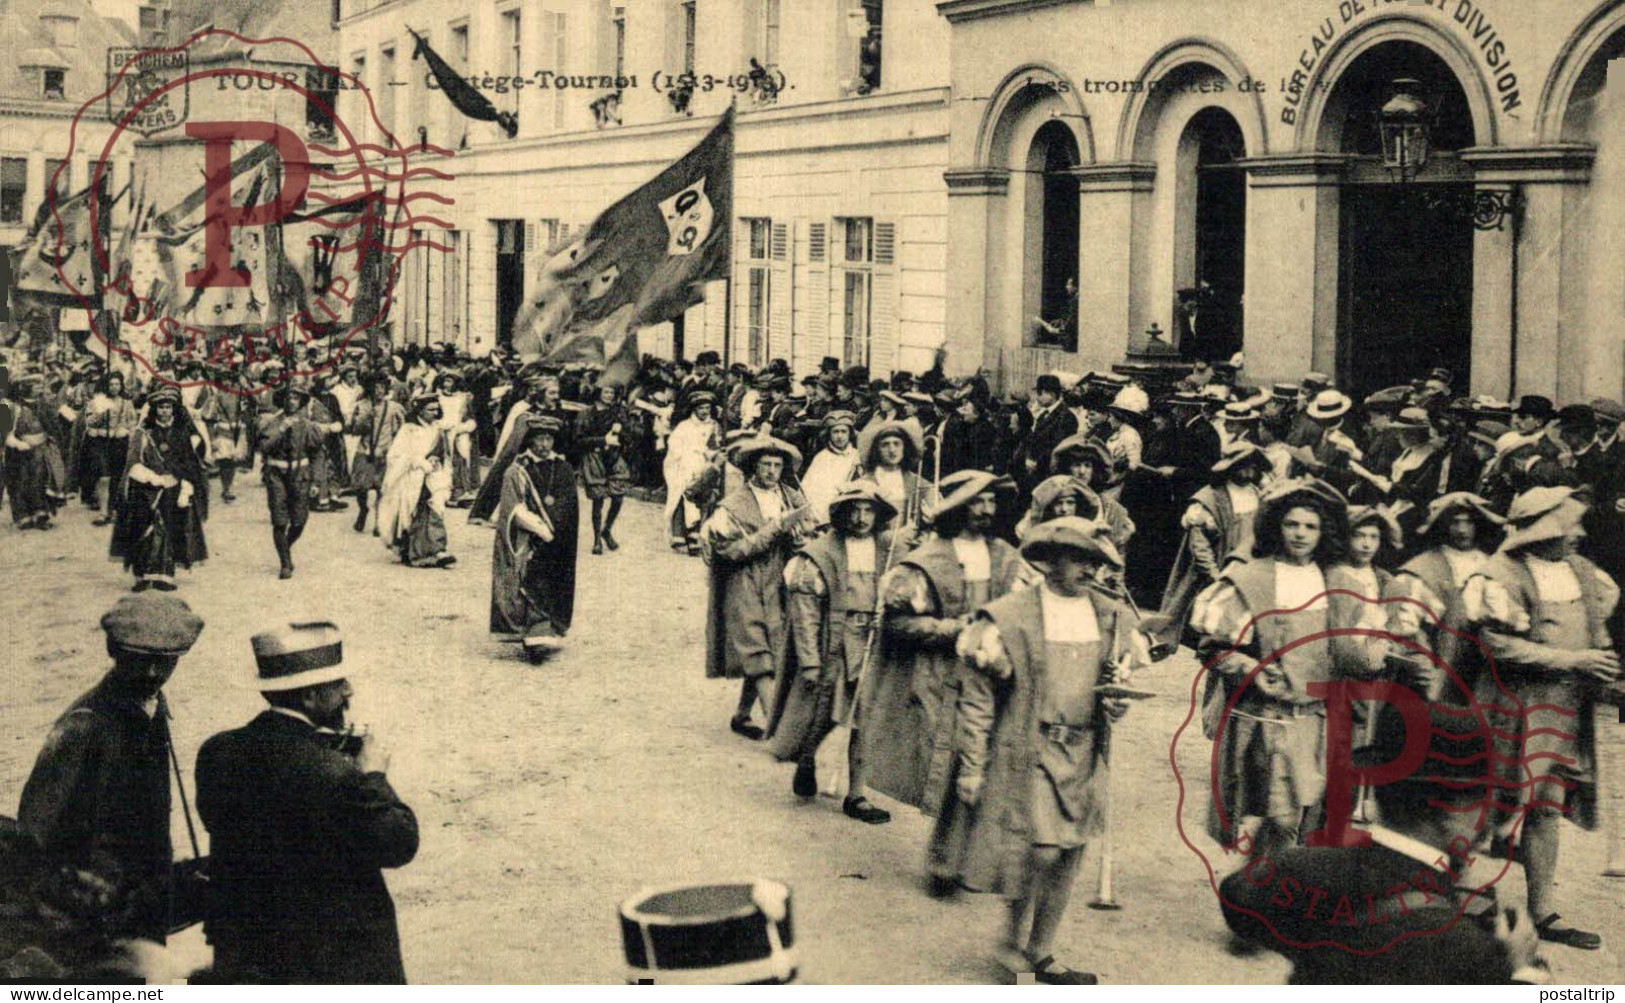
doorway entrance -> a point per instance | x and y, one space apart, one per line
1405 285
510 276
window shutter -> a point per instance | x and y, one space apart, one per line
883 302
716 316
782 298
739 337
815 294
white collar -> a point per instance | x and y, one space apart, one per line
293 714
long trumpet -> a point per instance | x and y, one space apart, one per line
1153 628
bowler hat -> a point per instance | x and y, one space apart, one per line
295 655
829 364
1049 383
160 625
1535 406
709 357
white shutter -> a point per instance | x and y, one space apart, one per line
739 337
883 302
716 316
816 285
781 290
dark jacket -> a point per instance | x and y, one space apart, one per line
1277 908
98 799
1048 432
299 838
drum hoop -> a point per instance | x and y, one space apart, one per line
629 909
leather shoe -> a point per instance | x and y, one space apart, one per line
742 726
1050 972
860 809
1568 936
805 784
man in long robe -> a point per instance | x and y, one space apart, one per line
747 541
417 486
457 419
163 495
533 564
27 469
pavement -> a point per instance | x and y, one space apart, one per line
547 795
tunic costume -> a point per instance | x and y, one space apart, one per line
832 630
374 426
153 531
826 473
533 579
102 442
746 631
1436 578
687 451
290 446
27 468
604 471
1029 728
412 504
459 426
229 419
913 686
331 473
1217 523
1522 608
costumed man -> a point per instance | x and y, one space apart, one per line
302 825
1027 790
347 394
833 588
331 473
163 495
229 418
1542 612
909 698
533 563
27 467
1056 498
109 419
417 486
98 798
290 444
374 424
1458 534
1086 459
1270 760
747 541
835 463
690 447
604 471
1217 523
459 425
890 452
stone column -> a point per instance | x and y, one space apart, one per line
976 205
1114 210
1290 309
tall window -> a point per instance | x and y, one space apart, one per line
690 21
770 34
869 48
456 127
555 46
54 84
320 104
512 41
618 23
13 188
857 258
759 290
386 89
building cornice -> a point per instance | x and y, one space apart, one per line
971 10
1116 176
964 181
1288 170
1557 163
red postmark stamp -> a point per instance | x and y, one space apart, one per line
1486 777
240 239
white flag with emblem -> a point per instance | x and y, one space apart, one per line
688 218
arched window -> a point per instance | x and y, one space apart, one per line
1052 238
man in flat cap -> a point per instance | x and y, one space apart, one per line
98 797
302 824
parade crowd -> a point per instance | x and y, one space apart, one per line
924 589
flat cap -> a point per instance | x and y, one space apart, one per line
162 625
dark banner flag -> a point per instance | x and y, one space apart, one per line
643 261
466 99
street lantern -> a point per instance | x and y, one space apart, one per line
1404 128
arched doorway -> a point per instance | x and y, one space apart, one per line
1405 277
1052 238
1210 238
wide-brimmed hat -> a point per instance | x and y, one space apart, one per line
908 429
1388 399
1240 412
1242 453
959 489
863 490
1329 404
1051 489
159 625
1131 404
699 397
298 654
1542 514
1281 496
1411 418
1445 505
1359 515
744 453
1081 444
840 416
1086 537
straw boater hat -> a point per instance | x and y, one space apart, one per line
1085 537
1242 453
299 654
1541 514
1360 515
1239 412
746 452
1329 404
1411 418
907 429
959 489
1445 505
862 491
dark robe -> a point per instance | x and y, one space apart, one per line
533 583
152 534
746 630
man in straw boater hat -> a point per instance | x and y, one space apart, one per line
302 824
98 798
909 695
533 565
1541 611
1412 885
417 487
1269 761
833 592
1027 787
163 496
291 444
747 541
